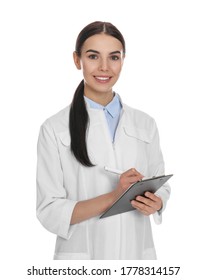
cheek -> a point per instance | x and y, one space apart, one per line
116 68
88 68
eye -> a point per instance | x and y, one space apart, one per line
93 56
114 57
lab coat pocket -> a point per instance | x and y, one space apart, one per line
64 145
65 138
138 134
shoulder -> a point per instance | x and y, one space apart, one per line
58 122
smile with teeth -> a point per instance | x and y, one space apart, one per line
99 78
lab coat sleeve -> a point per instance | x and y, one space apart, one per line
54 210
156 168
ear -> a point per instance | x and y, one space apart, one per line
76 59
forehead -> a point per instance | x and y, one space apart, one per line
102 43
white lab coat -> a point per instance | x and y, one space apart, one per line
62 181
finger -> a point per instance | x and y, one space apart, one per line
152 196
156 199
145 201
134 179
143 208
133 172
130 177
156 205
138 175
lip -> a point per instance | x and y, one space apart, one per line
102 79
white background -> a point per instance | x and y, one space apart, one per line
165 75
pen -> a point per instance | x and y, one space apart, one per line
111 170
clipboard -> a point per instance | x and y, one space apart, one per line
123 203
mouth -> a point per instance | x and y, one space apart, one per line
102 79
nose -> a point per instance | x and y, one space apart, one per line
103 66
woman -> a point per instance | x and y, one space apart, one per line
74 146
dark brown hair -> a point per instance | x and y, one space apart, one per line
78 119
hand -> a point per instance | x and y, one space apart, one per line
148 204
128 178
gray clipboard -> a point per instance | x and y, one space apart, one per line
123 203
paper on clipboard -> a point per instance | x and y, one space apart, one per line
123 203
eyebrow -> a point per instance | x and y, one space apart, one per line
94 51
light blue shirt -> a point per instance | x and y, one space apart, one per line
112 112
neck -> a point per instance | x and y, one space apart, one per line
100 98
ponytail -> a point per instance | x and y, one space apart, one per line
78 123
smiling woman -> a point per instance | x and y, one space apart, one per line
74 146
94 55
101 66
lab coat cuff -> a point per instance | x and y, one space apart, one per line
158 214
65 227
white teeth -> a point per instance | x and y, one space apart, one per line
102 78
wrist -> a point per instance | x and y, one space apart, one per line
115 194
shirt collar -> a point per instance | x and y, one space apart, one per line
113 108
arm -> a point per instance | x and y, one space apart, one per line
95 206
92 207
54 210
